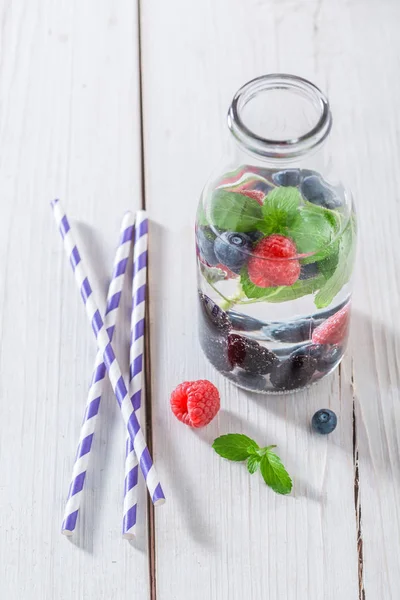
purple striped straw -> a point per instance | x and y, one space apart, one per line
117 380
99 372
136 367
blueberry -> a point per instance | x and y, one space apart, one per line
263 186
213 318
255 236
309 271
299 330
205 244
288 177
318 192
293 373
232 249
329 357
324 421
243 322
314 350
250 356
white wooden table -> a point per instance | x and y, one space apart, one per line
113 106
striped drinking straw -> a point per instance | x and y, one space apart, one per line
96 387
118 383
136 367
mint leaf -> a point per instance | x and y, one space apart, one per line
314 229
253 462
275 474
344 267
234 212
280 210
234 446
201 218
281 293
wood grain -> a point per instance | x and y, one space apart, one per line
69 127
224 534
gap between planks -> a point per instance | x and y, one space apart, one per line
357 499
147 365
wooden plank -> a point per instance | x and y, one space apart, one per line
69 126
223 534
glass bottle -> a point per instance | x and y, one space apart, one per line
275 241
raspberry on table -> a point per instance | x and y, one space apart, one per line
273 262
195 403
334 330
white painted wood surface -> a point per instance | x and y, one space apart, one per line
225 535
70 126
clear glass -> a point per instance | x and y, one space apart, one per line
275 241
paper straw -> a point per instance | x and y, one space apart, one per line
118 382
136 367
99 372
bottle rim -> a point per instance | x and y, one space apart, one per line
279 148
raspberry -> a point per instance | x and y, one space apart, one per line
257 195
273 262
195 403
333 330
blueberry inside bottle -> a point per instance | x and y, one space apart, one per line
275 242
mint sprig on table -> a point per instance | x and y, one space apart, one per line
239 448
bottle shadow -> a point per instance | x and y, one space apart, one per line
368 375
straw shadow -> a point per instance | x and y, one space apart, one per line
190 506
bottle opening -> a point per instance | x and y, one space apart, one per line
279 116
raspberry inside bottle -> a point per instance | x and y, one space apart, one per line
275 242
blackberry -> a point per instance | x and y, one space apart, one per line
250 356
293 373
213 318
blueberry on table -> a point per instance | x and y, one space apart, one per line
232 249
308 271
205 243
318 192
324 421
287 178
250 356
293 373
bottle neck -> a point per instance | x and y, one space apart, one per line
279 118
